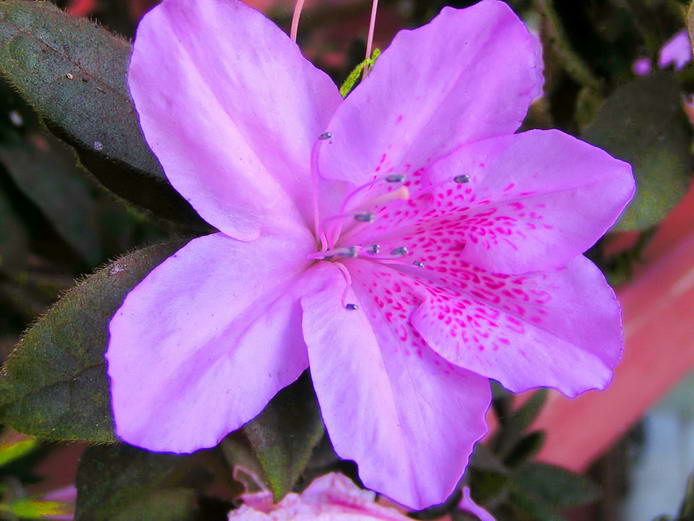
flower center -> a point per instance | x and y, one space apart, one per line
339 235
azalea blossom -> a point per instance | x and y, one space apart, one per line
332 497
403 243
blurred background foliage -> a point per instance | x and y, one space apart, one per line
80 192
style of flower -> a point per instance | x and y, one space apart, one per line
332 497
403 243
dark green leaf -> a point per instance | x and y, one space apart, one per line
284 435
73 73
643 123
13 238
527 447
45 171
127 484
517 421
529 508
487 485
54 384
554 486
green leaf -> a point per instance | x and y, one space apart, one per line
13 451
643 123
527 447
32 509
554 486
121 483
46 173
73 73
54 384
284 435
687 510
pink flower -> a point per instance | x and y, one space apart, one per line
404 243
642 66
677 51
332 497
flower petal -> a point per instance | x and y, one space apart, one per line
560 329
231 109
533 201
677 51
206 339
468 75
406 416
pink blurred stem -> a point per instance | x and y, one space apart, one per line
295 19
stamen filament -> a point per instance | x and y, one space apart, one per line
295 19
370 37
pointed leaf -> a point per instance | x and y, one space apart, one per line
284 435
45 171
643 123
12 451
73 73
54 384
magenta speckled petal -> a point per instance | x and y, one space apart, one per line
231 109
468 75
200 346
560 329
532 201
408 417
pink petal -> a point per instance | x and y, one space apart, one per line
468 75
642 66
206 339
677 51
559 329
231 109
541 198
468 504
534 201
406 416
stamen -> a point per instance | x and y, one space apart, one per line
419 264
399 251
352 307
374 249
325 135
462 179
401 193
295 19
370 37
395 178
365 217
347 252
